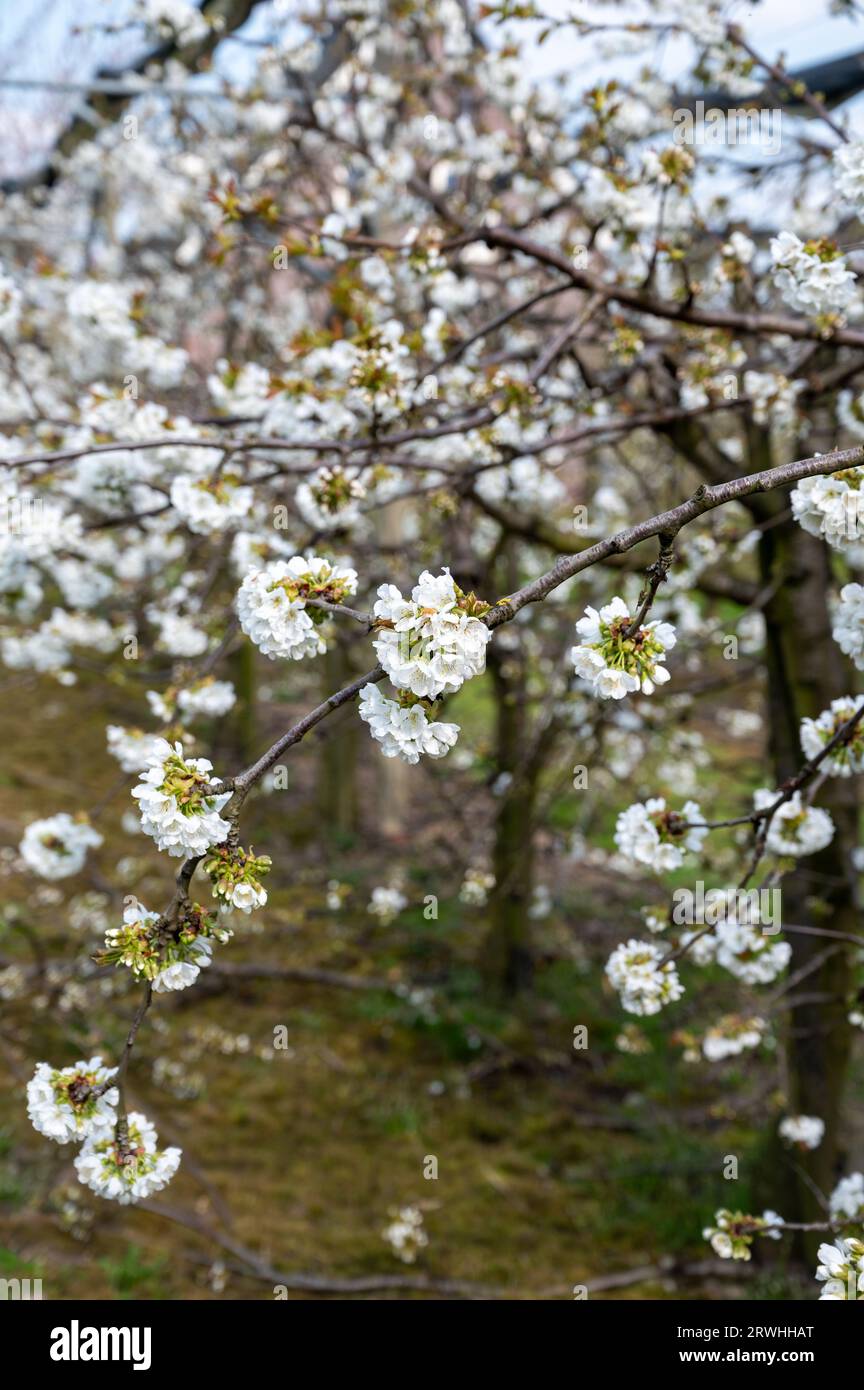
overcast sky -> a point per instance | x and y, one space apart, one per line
65 40
803 29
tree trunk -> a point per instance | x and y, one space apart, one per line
806 671
242 718
506 958
338 800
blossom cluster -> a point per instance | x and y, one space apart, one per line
732 1035
271 604
406 1235
235 876
615 661
732 1235
433 642
329 499
848 756
73 1102
651 834
831 505
133 748
636 971
774 398
848 161
209 505
127 1167
812 276
118 1158
750 954
180 803
171 954
847 1199
848 628
429 645
795 829
841 1271
476 887
403 726
850 414
204 699
57 846
804 1131
386 903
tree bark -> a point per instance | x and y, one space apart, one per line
243 722
506 961
338 799
805 672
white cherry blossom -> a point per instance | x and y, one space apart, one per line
131 1173
634 969
653 834
429 644
57 846
179 802
614 663
404 730
271 604
74 1102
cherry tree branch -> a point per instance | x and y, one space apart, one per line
666 525
737 321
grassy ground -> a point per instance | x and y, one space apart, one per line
556 1166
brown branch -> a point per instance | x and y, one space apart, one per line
684 312
794 86
704 499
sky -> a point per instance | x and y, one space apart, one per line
803 29
66 40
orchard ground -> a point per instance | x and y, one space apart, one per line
557 1165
